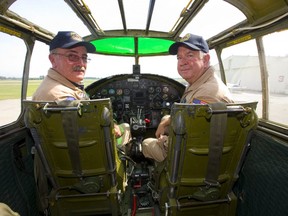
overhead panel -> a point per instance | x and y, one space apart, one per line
258 11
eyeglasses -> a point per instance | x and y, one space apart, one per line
191 56
74 58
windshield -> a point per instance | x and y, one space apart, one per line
164 18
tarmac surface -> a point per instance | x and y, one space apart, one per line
9 111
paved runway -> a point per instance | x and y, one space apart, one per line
9 111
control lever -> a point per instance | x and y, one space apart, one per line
138 125
138 128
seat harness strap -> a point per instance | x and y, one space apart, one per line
70 127
217 134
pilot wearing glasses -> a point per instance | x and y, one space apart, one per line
68 57
64 81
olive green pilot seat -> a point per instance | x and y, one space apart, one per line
76 167
207 145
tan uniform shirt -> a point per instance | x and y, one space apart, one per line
56 87
208 89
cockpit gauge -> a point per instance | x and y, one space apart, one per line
104 92
165 96
158 89
151 89
111 91
119 91
165 89
126 91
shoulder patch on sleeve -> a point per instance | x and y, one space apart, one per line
197 101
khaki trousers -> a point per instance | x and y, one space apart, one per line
155 148
5 210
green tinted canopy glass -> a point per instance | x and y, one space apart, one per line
126 46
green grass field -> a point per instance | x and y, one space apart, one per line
11 89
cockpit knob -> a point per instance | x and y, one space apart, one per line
147 121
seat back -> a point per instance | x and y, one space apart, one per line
76 145
207 144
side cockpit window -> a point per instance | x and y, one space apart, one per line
243 75
12 54
39 66
276 50
242 72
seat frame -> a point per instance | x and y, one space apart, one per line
184 186
67 136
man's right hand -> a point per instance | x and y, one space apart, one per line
165 122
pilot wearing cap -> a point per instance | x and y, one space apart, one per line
193 65
68 57
204 86
64 81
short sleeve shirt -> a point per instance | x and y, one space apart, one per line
207 89
56 87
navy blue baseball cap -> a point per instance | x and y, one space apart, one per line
70 39
192 41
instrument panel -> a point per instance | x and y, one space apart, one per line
147 96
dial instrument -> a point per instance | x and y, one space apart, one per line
154 94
